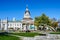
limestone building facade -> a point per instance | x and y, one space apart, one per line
27 23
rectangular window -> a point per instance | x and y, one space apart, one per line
17 24
10 24
20 24
3 25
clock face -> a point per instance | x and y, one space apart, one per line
27 14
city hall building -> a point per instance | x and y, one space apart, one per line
27 23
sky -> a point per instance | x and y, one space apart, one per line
16 8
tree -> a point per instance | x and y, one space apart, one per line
36 22
54 24
41 20
45 19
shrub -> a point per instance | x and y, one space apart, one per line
58 29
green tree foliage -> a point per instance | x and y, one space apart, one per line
54 24
43 19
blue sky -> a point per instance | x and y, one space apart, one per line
16 8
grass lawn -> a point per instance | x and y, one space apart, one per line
6 37
27 34
55 33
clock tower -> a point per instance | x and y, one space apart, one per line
27 14
27 21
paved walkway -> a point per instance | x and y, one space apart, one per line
48 37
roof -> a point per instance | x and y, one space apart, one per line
15 21
27 19
29 22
